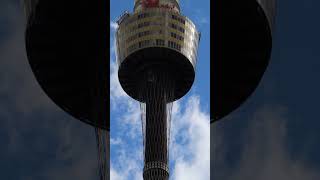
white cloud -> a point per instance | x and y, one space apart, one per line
191 159
114 26
126 163
114 175
117 94
116 141
191 142
265 152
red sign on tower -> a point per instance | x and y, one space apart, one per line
150 3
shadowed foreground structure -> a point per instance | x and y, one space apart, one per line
242 48
156 53
66 44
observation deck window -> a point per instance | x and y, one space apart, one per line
144 43
160 42
144 24
132 47
174 45
174 26
144 33
174 35
178 19
143 15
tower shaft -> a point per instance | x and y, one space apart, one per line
156 160
158 90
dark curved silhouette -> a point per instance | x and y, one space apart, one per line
66 44
242 41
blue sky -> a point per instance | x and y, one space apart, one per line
190 145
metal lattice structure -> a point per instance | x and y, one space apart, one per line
156 53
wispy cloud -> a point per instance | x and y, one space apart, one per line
191 142
113 25
117 141
201 20
265 152
117 94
